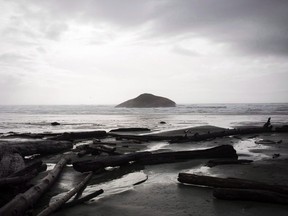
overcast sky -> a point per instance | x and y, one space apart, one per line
108 51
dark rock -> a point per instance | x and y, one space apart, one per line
147 101
55 123
162 122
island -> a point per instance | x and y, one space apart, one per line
147 100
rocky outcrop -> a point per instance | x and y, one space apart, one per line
147 101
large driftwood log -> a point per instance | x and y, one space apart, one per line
24 201
195 137
146 158
57 204
229 183
250 195
80 135
212 163
34 165
106 161
27 148
16 180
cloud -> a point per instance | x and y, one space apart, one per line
12 57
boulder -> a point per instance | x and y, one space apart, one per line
147 101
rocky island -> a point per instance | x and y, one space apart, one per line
147 101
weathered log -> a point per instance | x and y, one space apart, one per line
223 151
24 201
27 148
57 204
145 158
195 137
16 180
83 199
80 135
212 163
106 161
130 130
34 165
227 132
102 148
229 183
250 195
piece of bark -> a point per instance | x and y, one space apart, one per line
229 183
250 195
148 158
57 204
82 199
27 148
212 163
22 202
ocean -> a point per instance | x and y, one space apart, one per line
99 117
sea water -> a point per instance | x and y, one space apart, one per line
95 117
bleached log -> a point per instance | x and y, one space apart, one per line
229 183
57 204
22 202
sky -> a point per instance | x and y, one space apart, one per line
109 51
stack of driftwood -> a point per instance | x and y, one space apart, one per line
17 168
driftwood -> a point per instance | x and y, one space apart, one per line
34 165
229 183
27 148
24 201
212 163
130 130
106 161
82 199
80 135
195 137
146 158
250 195
57 204
16 180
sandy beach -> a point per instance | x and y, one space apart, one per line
161 194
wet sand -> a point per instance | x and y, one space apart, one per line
163 195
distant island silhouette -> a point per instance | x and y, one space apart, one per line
147 100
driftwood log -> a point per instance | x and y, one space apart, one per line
212 163
147 158
27 148
57 204
80 135
250 195
195 137
229 183
22 202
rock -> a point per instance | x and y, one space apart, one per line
147 101
162 122
55 123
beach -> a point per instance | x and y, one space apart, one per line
159 192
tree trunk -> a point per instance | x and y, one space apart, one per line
147 158
229 183
250 195
26 200
57 204
27 148
212 163
80 135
